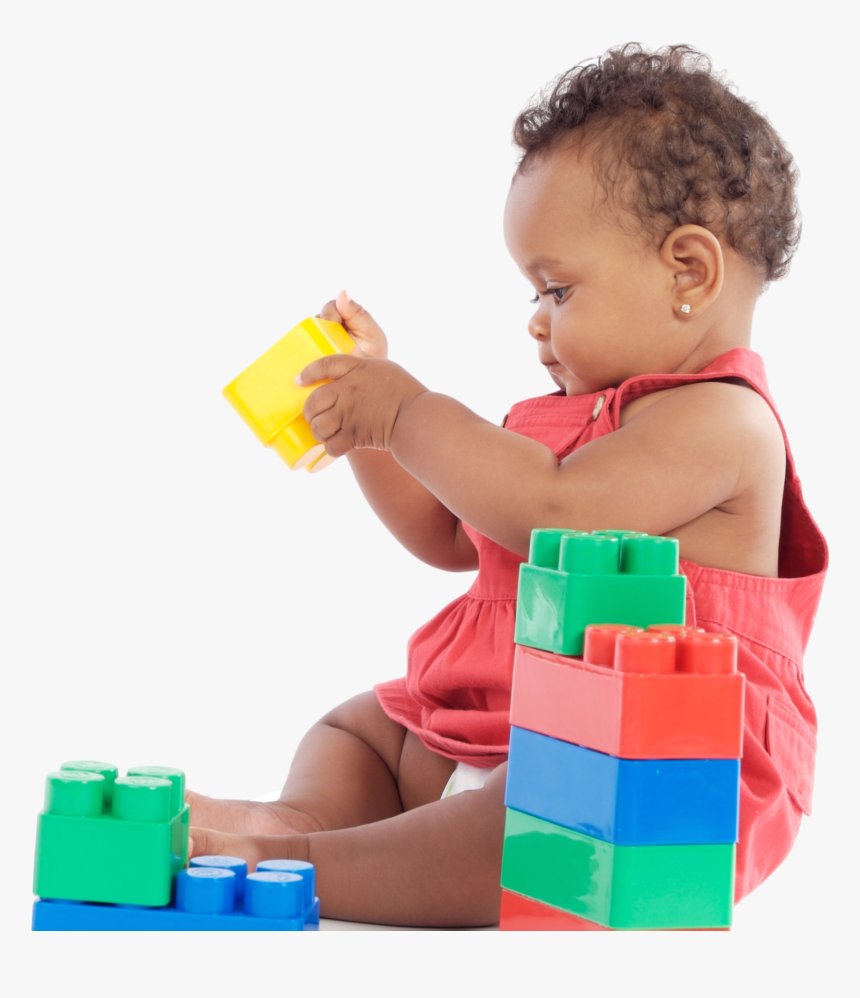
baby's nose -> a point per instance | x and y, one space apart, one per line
538 326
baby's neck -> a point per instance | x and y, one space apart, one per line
713 346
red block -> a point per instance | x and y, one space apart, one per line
630 714
522 914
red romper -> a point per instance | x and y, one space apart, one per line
456 693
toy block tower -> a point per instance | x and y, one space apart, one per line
624 766
268 399
111 852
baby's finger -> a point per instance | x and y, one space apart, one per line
326 425
332 367
329 311
338 445
355 316
319 401
207 842
362 327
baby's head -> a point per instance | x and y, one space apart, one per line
649 209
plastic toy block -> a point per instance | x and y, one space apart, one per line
622 887
118 840
237 866
624 801
206 901
630 714
522 914
605 577
267 398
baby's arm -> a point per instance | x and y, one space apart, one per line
676 459
422 524
698 448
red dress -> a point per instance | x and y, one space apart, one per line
456 693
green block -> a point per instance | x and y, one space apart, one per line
115 840
609 577
622 887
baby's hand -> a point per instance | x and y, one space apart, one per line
369 339
360 404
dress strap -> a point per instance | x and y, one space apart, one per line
802 548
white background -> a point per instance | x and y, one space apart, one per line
182 183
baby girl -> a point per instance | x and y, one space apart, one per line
650 208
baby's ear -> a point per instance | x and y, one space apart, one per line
696 258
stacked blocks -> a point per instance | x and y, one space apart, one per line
268 399
624 766
111 852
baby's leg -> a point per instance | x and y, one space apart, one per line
386 848
346 772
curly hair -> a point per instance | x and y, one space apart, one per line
675 145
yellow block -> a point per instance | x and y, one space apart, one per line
267 397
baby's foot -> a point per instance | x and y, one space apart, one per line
249 817
252 848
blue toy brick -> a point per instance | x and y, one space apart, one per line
624 801
238 866
207 899
69 916
297 866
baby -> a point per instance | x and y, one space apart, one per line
650 208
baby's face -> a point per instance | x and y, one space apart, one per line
609 311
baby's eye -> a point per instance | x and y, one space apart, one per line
558 292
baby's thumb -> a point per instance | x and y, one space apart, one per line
356 318
206 842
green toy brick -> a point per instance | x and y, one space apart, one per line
621 887
608 577
118 840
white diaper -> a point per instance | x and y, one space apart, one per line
466 777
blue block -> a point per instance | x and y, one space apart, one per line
216 894
71 916
624 801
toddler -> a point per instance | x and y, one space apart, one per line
650 208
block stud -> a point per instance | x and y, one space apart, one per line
274 895
645 651
649 555
77 794
107 770
620 534
206 890
677 629
296 866
708 653
544 546
177 780
141 798
238 867
600 642
588 554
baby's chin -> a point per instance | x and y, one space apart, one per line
559 382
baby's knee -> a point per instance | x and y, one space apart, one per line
363 717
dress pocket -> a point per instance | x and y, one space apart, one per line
791 746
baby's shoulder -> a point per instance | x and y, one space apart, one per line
727 413
729 401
